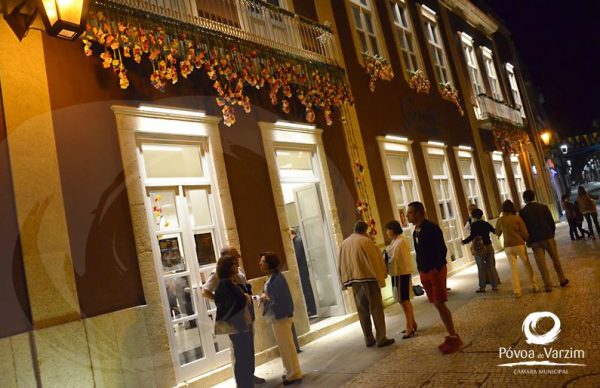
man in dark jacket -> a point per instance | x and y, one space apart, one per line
431 250
541 227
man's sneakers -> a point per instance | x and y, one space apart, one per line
387 342
451 344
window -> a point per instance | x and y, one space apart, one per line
512 80
364 24
491 73
436 47
467 170
472 65
518 174
500 171
405 36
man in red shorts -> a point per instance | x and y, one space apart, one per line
431 261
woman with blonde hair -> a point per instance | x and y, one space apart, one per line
400 269
515 235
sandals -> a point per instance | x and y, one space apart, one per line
411 334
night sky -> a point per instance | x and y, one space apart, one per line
559 43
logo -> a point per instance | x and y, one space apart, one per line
530 328
540 354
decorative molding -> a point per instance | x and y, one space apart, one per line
472 14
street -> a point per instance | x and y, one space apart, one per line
486 322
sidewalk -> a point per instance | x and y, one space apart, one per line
486 322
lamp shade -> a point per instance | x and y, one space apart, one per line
64 18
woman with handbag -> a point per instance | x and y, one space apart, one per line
400 269
278 311
233 318
483 250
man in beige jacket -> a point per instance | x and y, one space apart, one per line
362 267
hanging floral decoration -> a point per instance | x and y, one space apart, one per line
508 138
451 94
377 68
157 211
419 82
362 205
233 68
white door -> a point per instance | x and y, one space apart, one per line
319 253
182 212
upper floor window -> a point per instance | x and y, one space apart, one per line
512 80
436 46
364 24
491 73
472 64
405 35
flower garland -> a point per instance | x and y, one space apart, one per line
508 138
362 205
174 53
451 94
377 68
419 82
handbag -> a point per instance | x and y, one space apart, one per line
240 323
418 290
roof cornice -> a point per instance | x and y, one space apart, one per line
472 14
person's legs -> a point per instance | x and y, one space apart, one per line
404 293
553 252
481 271
282 329
295 337
581 230
362 308
446 317
588 219
511 255
573 229
540 259
376 310
243 351
594 217
522 252
490 264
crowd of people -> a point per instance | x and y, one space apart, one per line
364 268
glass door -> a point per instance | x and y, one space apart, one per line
446 201
182 210
316 247
300 183
500 170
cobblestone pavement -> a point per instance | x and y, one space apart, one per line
495 320
485 322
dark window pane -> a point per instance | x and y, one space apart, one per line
205 249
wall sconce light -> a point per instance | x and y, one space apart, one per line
62 18
546 136
564 149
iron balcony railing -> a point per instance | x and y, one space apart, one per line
252 20
487 108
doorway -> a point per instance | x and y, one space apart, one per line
300 181
182 209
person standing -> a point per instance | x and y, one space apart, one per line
571 216
400 269
279 311
515 234
233 318
483 250
587 205
362 267
431 263
307 290
209 287
541 227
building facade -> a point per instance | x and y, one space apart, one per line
132 156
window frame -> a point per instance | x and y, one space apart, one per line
394 8
377 33
514 87
429 17
492 74
477 84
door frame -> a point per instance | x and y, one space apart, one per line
181 123
298 136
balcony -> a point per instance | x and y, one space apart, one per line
487 109
251 20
